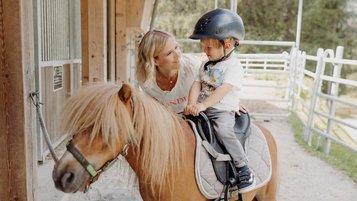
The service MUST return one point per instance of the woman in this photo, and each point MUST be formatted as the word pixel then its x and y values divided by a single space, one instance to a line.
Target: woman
pixel 163 72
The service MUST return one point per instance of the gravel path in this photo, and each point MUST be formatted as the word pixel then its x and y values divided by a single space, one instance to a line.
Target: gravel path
pixel 302 177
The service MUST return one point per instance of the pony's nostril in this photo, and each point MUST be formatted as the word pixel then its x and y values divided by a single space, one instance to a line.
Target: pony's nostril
pixel 67 180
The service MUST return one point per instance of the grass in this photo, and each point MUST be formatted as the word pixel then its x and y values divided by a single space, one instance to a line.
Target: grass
pixel 340 157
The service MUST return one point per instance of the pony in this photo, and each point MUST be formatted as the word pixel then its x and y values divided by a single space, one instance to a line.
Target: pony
pixel 106 120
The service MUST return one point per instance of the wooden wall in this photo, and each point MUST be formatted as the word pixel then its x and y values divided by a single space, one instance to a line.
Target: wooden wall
pixel 18 166
pixel 123 21
pixel 94 33
pixel 53 100
pixel 57 44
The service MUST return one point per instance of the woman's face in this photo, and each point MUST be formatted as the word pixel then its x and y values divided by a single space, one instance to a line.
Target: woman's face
pixel 169 58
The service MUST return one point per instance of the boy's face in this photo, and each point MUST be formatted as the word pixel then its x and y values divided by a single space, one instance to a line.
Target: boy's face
pixel 213 52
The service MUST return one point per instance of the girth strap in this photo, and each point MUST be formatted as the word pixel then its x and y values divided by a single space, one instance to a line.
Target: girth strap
pixel 218 156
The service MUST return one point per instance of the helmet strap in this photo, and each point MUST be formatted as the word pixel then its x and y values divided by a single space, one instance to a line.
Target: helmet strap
pixel 221 59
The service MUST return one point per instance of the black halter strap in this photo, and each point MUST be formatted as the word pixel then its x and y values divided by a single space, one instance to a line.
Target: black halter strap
pixel 94 174
pixel 80 158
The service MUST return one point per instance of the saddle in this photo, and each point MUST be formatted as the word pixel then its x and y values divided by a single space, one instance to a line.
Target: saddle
pixel 222 164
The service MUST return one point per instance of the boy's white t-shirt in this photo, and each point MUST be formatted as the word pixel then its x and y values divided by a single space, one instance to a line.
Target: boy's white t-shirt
pixel 176 99
pixel 228 71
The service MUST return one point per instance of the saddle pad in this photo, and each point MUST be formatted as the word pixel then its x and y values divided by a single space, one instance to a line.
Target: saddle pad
pixel 258 156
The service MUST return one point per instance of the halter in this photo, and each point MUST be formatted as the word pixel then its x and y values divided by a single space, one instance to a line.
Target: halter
pixel 94 174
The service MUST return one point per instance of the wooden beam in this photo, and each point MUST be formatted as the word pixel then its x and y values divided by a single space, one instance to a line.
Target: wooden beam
pixel 111 40
pixel 94 40
pixel 147 14
pixel 84 41
pixel 131 17
pixel 18 167
pixel 140 14
pixel 122 39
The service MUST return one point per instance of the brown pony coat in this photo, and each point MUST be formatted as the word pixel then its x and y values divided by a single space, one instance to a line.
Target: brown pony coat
pixel 161 150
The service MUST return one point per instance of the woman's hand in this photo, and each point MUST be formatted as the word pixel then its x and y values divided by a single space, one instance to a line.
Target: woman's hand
pixel 242 109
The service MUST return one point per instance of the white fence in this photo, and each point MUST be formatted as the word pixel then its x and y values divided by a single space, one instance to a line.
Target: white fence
pixel 318 102
pixel 309 86
pixel 267 84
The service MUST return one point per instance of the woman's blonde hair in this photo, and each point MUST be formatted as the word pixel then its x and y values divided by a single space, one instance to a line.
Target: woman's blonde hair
pixel 152 43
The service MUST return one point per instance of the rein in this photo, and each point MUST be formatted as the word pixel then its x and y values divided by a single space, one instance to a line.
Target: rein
pixel 94 174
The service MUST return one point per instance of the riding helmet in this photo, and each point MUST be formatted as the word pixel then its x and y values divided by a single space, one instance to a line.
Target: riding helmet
pixel 219 24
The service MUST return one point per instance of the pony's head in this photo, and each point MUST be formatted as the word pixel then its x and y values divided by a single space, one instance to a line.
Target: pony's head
pixel 99 120
pixel 106 119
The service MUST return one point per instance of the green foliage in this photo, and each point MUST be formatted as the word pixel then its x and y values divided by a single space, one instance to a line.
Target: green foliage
pixel 269 20
pixel 325 23
pixel 273 20
pixel 179 16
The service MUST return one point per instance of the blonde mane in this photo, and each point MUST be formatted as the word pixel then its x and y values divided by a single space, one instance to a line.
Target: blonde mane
pixel 154 130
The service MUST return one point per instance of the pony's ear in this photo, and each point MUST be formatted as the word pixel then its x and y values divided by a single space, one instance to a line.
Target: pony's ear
pixel 125 93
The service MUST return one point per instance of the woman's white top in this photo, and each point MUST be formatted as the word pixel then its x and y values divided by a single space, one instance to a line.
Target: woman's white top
pixel 176 99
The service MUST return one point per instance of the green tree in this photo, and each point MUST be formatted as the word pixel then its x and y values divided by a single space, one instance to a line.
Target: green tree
pixel 179 17
pixel 272 20
pixel 325 23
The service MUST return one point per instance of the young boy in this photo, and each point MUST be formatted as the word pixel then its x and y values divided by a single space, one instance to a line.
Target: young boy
pixel 216 89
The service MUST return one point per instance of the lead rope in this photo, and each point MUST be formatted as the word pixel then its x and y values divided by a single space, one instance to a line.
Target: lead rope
pixel 36 101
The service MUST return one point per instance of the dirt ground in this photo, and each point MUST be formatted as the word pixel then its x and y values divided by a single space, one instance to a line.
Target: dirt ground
pixel 302 177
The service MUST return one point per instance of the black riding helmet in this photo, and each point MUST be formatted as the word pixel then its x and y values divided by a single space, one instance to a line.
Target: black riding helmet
pixel 219 24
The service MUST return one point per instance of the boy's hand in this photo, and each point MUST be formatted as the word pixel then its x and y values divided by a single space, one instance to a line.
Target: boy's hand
pixel 199 108
pixel 187 109
pixel 194 109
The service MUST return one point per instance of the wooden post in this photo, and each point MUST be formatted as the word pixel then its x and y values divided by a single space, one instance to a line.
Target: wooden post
pixel 111 41
pixel 94 40
pixel 18 168
pixel 131 17
pixel 121 43
pixel 141 14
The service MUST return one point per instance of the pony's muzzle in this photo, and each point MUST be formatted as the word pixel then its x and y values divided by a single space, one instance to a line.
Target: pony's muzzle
pixel 68 180
pixel 64 181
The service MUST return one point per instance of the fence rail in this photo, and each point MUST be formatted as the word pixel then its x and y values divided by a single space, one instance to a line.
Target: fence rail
pixel 318 102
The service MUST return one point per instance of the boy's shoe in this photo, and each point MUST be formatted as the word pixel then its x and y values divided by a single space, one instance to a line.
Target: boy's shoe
pixel 246 179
